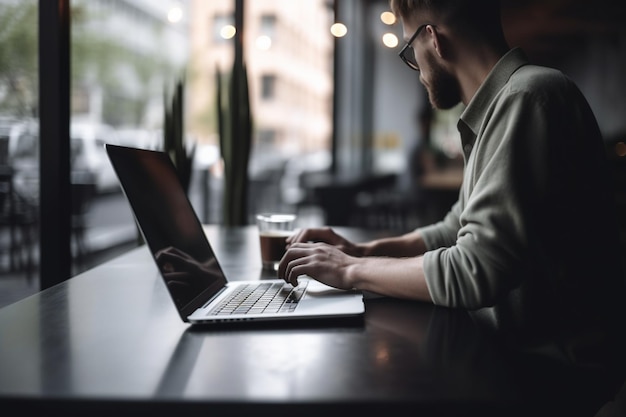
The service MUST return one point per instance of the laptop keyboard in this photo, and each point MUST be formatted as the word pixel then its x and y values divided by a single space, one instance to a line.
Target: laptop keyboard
pixel 263 298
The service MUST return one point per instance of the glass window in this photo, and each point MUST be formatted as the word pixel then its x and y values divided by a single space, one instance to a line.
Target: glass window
pixel 223 25
pixel 288 51
pixel 121 82
pixel 19 150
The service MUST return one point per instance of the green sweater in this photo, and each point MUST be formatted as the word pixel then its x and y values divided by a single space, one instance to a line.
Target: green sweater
pixel 531 247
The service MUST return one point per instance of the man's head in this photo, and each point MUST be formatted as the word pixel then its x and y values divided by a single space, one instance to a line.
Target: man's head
pixel 478 20
pixel 441 35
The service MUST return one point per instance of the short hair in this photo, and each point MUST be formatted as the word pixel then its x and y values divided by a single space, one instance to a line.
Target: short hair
pixel 473 18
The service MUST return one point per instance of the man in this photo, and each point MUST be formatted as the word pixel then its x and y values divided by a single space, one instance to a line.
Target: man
pixel 530 248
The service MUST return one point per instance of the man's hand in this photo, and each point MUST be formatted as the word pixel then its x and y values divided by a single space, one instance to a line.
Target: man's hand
pixel 326 263
pixel 324 235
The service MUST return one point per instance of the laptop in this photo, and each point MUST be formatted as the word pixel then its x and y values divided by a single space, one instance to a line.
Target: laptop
pixel 188 266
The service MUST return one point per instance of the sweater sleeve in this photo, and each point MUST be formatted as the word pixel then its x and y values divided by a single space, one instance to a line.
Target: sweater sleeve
pixel 502 188
pixel 443 233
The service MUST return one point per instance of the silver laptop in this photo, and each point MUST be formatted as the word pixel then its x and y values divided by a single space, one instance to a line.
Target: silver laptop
pixel 188 265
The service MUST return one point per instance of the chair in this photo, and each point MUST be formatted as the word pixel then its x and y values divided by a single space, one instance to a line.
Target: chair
pixel 20 215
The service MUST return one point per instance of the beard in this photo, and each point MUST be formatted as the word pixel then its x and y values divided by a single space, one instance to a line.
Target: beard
pixel 443 89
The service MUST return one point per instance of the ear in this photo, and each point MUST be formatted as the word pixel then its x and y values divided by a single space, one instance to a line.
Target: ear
pixel 435 40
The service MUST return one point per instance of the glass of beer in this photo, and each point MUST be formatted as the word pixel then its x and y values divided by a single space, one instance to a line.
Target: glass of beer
pixel 274 228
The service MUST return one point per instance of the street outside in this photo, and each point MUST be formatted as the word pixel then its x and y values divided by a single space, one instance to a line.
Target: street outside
pixel 110 231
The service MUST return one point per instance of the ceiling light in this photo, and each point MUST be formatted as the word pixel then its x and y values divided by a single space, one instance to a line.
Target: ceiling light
pixel 390 40
pixel 228 31
pixel 388 18
pixel 338 30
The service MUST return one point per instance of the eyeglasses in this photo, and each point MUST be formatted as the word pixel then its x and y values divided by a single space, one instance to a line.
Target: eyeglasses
pixel 407 54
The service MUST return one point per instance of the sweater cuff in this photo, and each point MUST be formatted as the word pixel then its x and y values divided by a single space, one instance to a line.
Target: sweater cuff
pixel 431 235
pixel 431 276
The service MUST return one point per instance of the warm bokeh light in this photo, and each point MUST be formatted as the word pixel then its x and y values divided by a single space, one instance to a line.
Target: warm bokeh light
pixel 175 14
pixel 228 32
pixel 263 42
pixel 390 40
pixel 338 30
pixel 620 149
pixel 388 18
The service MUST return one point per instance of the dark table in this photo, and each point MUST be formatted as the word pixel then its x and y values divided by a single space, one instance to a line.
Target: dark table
pixel 109 342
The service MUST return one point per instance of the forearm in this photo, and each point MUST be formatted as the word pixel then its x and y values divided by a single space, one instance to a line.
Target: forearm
pixel 407 245
pixel 393 277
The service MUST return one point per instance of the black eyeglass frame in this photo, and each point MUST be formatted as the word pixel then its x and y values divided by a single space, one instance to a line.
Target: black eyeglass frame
pixel 408 46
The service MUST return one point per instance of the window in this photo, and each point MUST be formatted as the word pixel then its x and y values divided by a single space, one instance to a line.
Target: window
pixel 268 25
pixel 119 80
pixel 291 92
pixel 19 150
pixel 268 87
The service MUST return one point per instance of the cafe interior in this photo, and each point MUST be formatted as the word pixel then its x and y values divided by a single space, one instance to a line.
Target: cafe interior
pixel 336 122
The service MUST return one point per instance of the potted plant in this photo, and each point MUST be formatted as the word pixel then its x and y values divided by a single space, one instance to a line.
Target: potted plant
pixel 173 133
pixel 235 133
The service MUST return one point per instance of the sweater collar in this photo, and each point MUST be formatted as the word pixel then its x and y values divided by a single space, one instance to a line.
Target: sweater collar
pixel 499 75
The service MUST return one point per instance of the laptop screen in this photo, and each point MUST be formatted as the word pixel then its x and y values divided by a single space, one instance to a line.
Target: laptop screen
pixel 169 226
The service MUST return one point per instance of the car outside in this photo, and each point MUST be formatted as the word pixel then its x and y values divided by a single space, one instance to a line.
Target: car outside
pixel 88 155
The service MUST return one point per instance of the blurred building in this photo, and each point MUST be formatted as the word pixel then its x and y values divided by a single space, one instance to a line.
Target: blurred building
pixel 289 53
pixel 136 48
